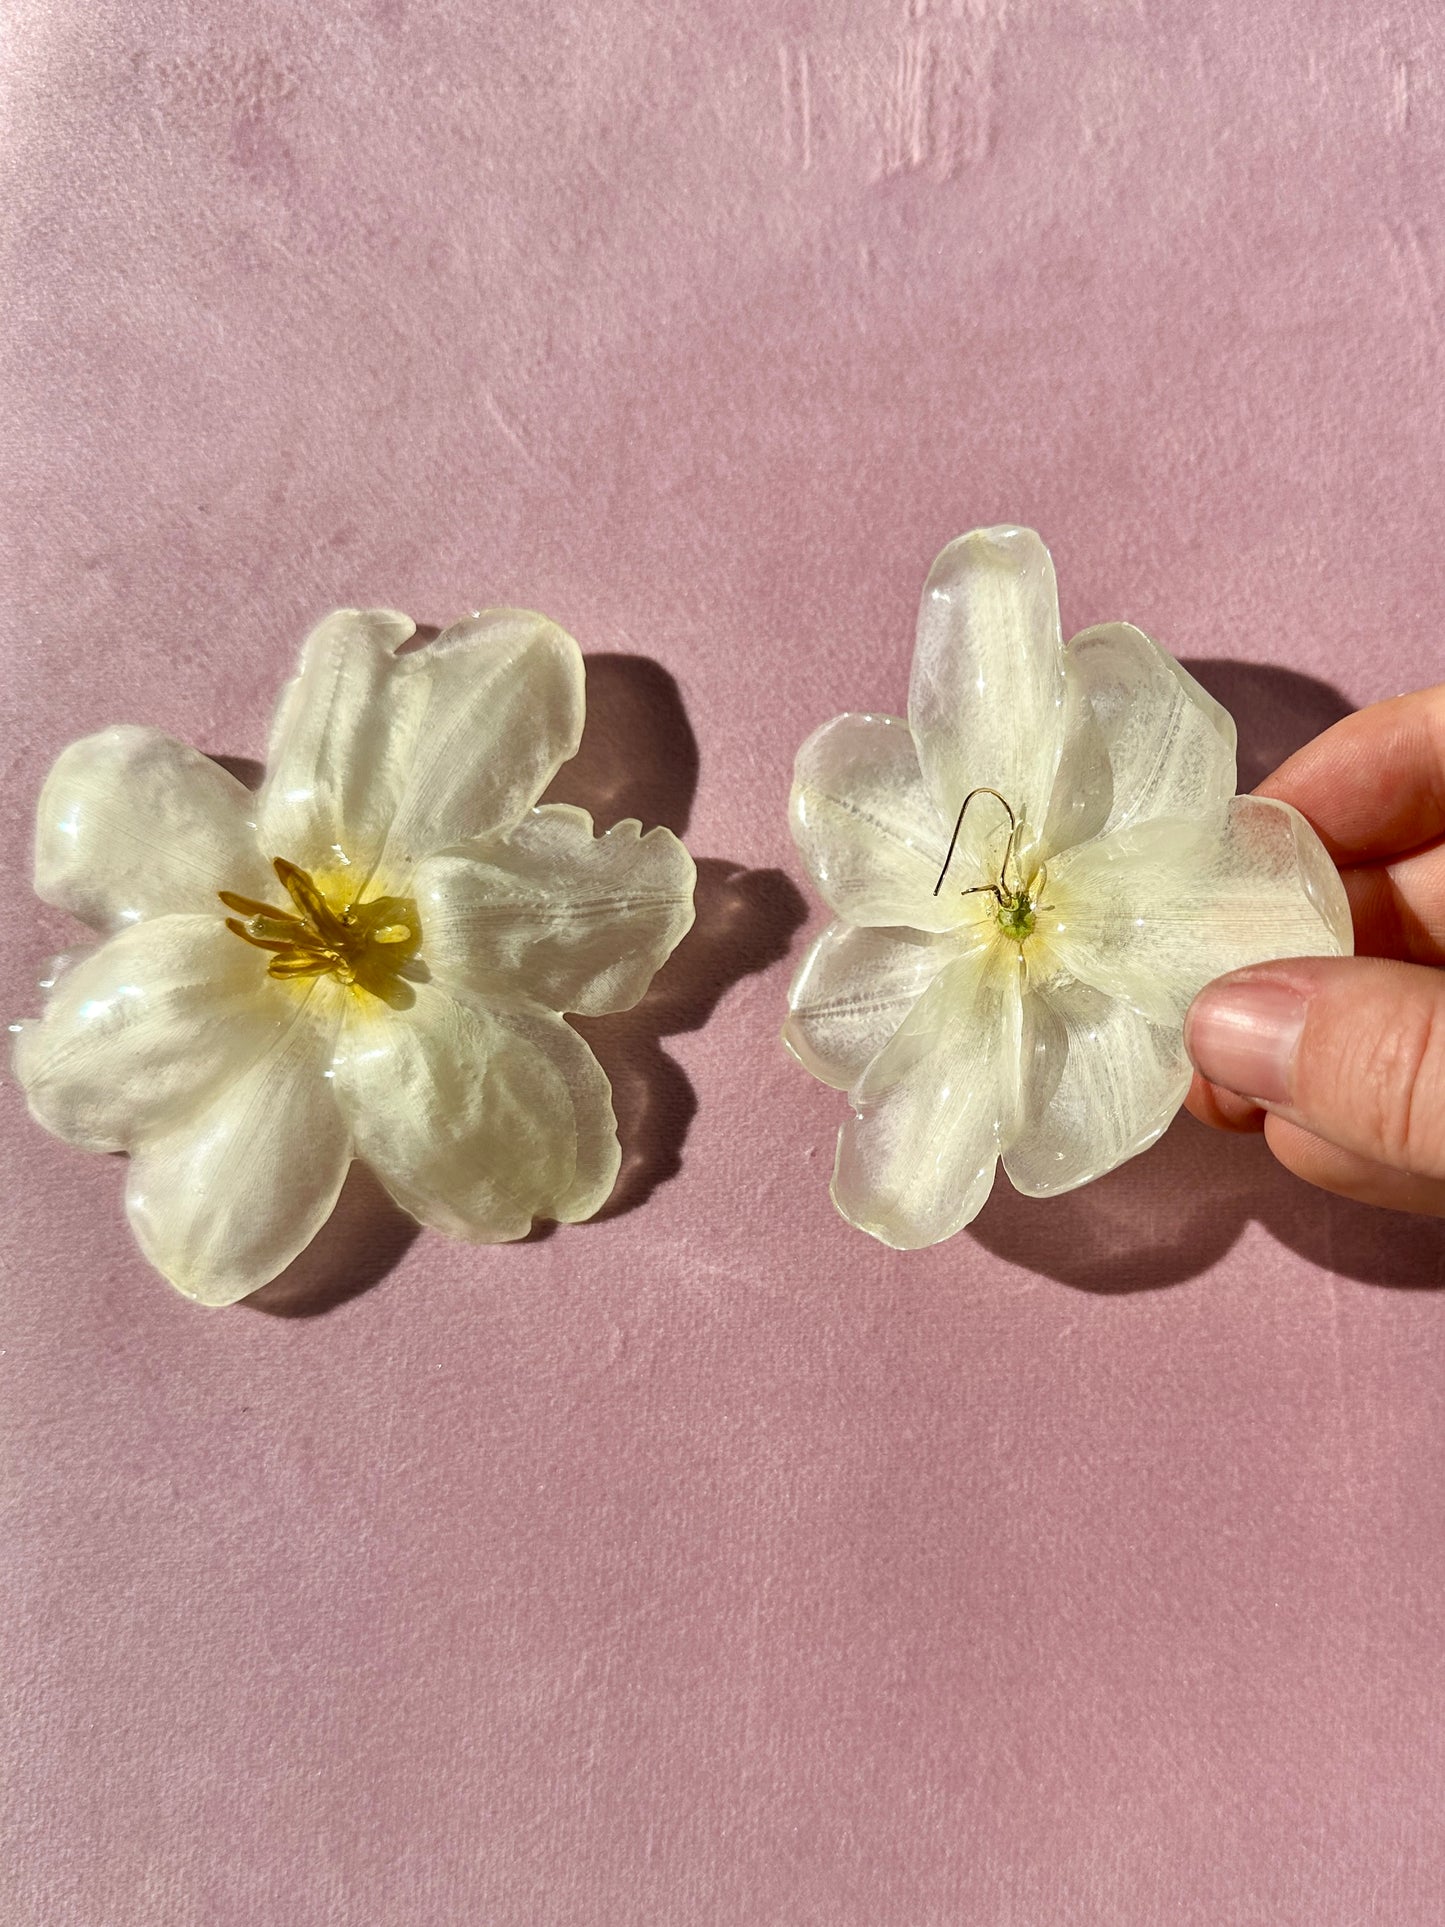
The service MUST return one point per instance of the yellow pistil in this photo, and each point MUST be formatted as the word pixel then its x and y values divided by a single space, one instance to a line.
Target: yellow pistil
pixel 365 944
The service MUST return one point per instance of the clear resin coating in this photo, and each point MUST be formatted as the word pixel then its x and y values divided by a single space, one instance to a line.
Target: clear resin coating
pixel 1031 877
pixel 368 958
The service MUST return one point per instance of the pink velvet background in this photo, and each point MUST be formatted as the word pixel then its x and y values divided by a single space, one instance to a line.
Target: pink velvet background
pixel 709 1563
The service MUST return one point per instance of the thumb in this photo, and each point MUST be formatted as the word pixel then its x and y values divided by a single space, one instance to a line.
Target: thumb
pixel 1351 1048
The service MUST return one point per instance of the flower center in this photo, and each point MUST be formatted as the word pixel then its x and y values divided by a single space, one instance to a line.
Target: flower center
pixel 1016 915
pixel 367 943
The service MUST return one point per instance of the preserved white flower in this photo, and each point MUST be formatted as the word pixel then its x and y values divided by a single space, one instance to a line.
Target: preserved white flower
pixel 1032 877
pixel 367 958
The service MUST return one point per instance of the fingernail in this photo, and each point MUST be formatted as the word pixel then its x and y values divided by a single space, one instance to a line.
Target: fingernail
pixel 1243 1036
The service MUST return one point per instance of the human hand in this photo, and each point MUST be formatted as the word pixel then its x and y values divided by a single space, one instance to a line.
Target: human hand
pixel 1341 1060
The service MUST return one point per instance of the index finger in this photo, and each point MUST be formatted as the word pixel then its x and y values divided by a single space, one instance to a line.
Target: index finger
pixel 1373 786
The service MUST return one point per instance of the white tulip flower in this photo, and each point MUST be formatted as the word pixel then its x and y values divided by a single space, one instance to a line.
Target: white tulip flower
pixel 1032 877
pixel 366 959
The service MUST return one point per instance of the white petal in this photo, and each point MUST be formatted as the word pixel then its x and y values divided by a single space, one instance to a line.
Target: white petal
pixel 478 1120
pixel 868 832
pixel 225 1202
pixel 589 1092
pixel 936 1107
pixel 1150 741
pixel 574 921
pixel 986 699
pixel 333 764
pixel 1100 1084
pixel 504 704
pixel 1083 782
pixel 139 1034
pixel 852 991
pixel 1152 913
pixel 133 824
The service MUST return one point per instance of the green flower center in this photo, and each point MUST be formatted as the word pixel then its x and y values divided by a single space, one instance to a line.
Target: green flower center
pixel 1016 915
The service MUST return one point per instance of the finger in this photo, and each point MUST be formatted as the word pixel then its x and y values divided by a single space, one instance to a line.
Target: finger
pixel 1348 1174
pixel 1351 1048
pixel 1222 1109
pixel 1398 908
pixel 1374 784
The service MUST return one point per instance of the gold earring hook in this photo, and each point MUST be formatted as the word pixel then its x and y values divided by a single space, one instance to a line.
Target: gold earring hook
pixel 982 790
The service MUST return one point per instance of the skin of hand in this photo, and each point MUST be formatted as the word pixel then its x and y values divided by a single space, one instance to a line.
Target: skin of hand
pixel 1341 1060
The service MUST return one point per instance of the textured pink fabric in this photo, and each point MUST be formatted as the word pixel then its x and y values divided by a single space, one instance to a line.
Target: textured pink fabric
pixel 710 1564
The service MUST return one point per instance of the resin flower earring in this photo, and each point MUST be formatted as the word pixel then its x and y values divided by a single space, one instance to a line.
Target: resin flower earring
pixel 1032 877
pixel 367 959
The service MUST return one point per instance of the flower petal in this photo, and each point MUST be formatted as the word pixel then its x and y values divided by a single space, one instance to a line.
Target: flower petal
pixel 867 830
pixel 986 699
pixel 936 1107
pixel 552 912
pixel 478 1120
pixel 333 764
pixel 133 824
pixel 589 1093
pixel 852 991
pixel 140 1033
pixel 1151 913
pixel 1083 782
pixel 225 1202
pixel 504 701
pixel 1100 1084
pixel 1160 744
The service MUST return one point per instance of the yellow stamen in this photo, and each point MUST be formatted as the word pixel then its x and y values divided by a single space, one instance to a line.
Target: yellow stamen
pixel 366 944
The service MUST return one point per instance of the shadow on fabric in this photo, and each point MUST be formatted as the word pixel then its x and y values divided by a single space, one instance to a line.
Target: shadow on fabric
pixel 639 758
pixel 1276 711
pixel 1174 1212
pixel 364 1239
